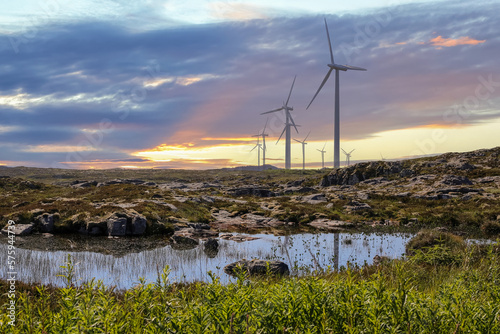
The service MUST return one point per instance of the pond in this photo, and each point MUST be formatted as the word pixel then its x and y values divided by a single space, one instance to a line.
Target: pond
pixel 302 253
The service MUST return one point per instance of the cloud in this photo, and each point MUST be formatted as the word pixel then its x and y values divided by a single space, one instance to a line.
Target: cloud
pixel 449 42
pixel 205 85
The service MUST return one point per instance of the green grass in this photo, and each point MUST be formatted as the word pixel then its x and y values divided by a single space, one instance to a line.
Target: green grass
pixel 399 296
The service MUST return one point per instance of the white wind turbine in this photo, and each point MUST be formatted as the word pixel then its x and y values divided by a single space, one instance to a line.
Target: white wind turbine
pixel 303 150
pixel 288 124
pixel 263 135
pixel 348 156
pixel 337 68
pixel 259 147
pixel 322 156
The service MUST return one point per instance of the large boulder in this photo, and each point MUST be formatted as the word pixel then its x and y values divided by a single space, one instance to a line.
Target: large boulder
pixel 257 267
pixel 139 224
pixel 117 226
pixel 18 229
pixel 46 222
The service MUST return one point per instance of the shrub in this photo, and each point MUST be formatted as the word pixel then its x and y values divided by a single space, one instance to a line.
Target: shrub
pixel 429 238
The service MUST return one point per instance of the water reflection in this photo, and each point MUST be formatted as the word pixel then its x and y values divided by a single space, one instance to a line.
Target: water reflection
pixel 300 251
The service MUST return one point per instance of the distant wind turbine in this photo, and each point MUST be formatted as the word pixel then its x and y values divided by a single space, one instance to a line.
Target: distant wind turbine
pixel 288 124
pixel 303 150
pixel 259 147
pixel 322 156
pixel 337 68
pixel 383 159
pixel 263 134
pixel 348 156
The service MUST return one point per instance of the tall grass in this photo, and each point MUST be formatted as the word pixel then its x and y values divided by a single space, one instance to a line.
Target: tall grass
pixel 405 296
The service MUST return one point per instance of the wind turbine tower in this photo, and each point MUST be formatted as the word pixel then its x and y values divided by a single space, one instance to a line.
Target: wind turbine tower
pixel 263 135
pixel 288 124
pixel 322 156
pixel 337 68
pixel 348 156
pixel 259 147
pixel 303 150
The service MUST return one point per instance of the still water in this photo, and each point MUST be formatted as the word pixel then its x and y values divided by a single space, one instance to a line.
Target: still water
pixel 301 252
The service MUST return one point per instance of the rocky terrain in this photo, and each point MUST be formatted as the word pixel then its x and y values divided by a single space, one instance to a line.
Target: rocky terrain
pixel 459 192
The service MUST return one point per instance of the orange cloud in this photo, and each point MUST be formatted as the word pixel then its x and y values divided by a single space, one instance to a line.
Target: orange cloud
pixel 449 42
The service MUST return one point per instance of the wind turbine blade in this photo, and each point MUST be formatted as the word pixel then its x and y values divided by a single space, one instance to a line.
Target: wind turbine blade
pixel 323 147
pixel 298 141
pixel 282 132
pixel 275 110
pixel 349 67
pixel 344 151
pixel 319 150
pixel 289 94
pixel 329 42
pixel 254 147
pixel 322 84
pixel 265 126
pixel 307 136
pixel 352 151
pixel 293 123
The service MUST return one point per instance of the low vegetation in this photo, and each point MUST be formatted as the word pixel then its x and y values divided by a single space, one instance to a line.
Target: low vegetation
pixel 396 296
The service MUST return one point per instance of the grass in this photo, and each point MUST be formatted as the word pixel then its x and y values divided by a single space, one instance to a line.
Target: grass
pixel 399 296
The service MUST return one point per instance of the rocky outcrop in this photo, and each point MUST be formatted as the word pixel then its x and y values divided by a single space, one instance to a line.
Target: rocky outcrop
pixel 257 267
pixel 362 171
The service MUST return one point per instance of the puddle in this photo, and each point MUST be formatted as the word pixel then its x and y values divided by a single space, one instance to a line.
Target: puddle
pixel 301 252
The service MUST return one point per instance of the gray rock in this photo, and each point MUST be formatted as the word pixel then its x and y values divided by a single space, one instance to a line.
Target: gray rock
pixel 117 226
pixel 355 206
pixel 18 229
pixel 46 222
pixel 312 199
pixel 139 224
pixel 257 267
pixel 453 180
pixel 182 242
pixel 327 224
pixel 211 247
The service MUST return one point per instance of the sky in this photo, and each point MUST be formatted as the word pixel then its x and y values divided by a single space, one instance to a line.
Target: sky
pixel 182 84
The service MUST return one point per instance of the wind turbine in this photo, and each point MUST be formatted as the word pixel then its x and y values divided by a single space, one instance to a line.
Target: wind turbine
pixel 288 124
pixel 322 156
pixel 337 68
pixel 263 135
pixel 259 146
pixel 303 150
pixel 348 156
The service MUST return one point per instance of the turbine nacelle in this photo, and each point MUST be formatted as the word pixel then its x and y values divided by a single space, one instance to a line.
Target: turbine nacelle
pixel 345 67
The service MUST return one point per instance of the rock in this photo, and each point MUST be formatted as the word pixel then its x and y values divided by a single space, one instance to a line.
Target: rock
pixel 46 222
pixel 18 205
pixel 312 199
pixel 182 242
pixel 139 224
pixel 330 225
pixel 453 180
pixel 488 179
pixel 329 206
pixel 117 226
pixel 360 172
pixel 251 191
pixel 355 206
pixel 83 184
pixel 47 235
pixel 211 247
pixel 18 229
pixel 257 267
pixel 301 190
